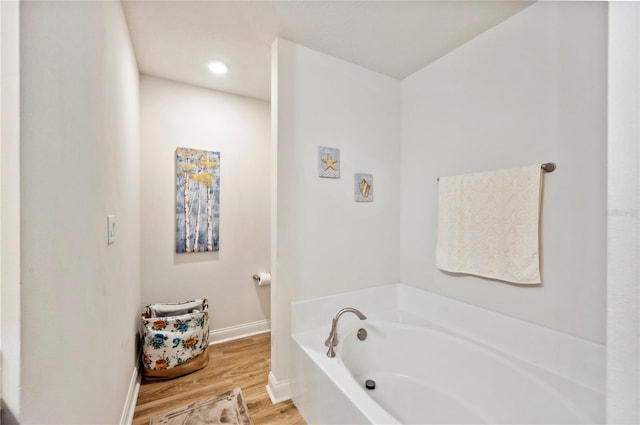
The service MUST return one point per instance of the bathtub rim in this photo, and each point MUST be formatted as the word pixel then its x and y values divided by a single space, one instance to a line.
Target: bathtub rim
pixel 565 355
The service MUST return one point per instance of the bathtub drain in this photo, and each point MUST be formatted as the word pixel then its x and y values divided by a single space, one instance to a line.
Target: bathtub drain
pixel 370 384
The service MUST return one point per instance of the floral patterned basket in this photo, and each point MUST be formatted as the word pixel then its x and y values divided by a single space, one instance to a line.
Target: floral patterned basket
pixel 175 339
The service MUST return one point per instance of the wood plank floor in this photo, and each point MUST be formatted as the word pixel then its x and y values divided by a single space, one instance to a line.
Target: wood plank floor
pixel 243 363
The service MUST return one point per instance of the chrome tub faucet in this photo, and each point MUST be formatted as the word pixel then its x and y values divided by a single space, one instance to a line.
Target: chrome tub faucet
pixel 332 341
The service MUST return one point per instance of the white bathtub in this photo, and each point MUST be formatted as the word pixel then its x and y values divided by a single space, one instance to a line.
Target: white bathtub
pixel 426 374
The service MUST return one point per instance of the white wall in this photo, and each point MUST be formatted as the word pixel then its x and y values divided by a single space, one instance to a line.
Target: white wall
pixel 530 90
pixel 325 241
pixel 179 115
pixel 79 163
pixel 10 209
pixel 623 265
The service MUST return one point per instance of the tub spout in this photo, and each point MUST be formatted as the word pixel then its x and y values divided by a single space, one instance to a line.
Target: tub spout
pixel 332 340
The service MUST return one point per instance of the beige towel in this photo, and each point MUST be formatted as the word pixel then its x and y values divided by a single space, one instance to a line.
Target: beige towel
pixel 488 224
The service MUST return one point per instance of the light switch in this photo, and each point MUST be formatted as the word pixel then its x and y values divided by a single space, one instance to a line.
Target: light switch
pixel 111 229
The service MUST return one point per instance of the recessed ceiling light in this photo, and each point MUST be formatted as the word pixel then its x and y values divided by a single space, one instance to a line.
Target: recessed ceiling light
pixel 218 67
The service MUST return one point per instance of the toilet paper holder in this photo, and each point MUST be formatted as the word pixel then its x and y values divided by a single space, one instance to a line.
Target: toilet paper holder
pixel 262 279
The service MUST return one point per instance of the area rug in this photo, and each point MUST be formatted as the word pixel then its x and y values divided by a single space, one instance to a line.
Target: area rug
pixel 228 408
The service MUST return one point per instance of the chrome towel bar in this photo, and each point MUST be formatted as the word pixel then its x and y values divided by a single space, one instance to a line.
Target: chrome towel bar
pixel 547 167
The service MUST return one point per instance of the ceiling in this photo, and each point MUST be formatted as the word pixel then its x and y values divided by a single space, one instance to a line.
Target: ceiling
pixel 177 39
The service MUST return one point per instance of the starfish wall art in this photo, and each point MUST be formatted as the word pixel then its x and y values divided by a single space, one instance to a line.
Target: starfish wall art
pixel 328 162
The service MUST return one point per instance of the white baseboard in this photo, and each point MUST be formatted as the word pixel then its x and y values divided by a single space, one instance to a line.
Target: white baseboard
pixel 132 396
pixel 217 336
pixel 278 391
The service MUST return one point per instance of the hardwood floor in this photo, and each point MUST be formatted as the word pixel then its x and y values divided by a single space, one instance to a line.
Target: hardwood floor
pixel 243 363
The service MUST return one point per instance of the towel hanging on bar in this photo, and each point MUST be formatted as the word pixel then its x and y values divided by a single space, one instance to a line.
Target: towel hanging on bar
pixel 488 224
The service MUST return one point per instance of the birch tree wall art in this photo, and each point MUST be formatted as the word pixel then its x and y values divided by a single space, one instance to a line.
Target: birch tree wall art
pixel 197 200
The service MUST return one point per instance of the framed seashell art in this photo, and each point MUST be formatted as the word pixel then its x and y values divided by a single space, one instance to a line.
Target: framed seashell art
pixel 363 187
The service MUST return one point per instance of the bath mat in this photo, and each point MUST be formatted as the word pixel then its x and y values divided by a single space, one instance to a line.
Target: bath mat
pixel 228 408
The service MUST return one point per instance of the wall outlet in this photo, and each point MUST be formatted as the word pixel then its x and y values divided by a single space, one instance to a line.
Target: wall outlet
pixel 111 229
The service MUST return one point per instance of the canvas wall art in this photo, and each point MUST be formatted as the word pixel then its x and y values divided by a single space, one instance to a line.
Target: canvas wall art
pixel 197 200
pixel 363 187
pixel 328 162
